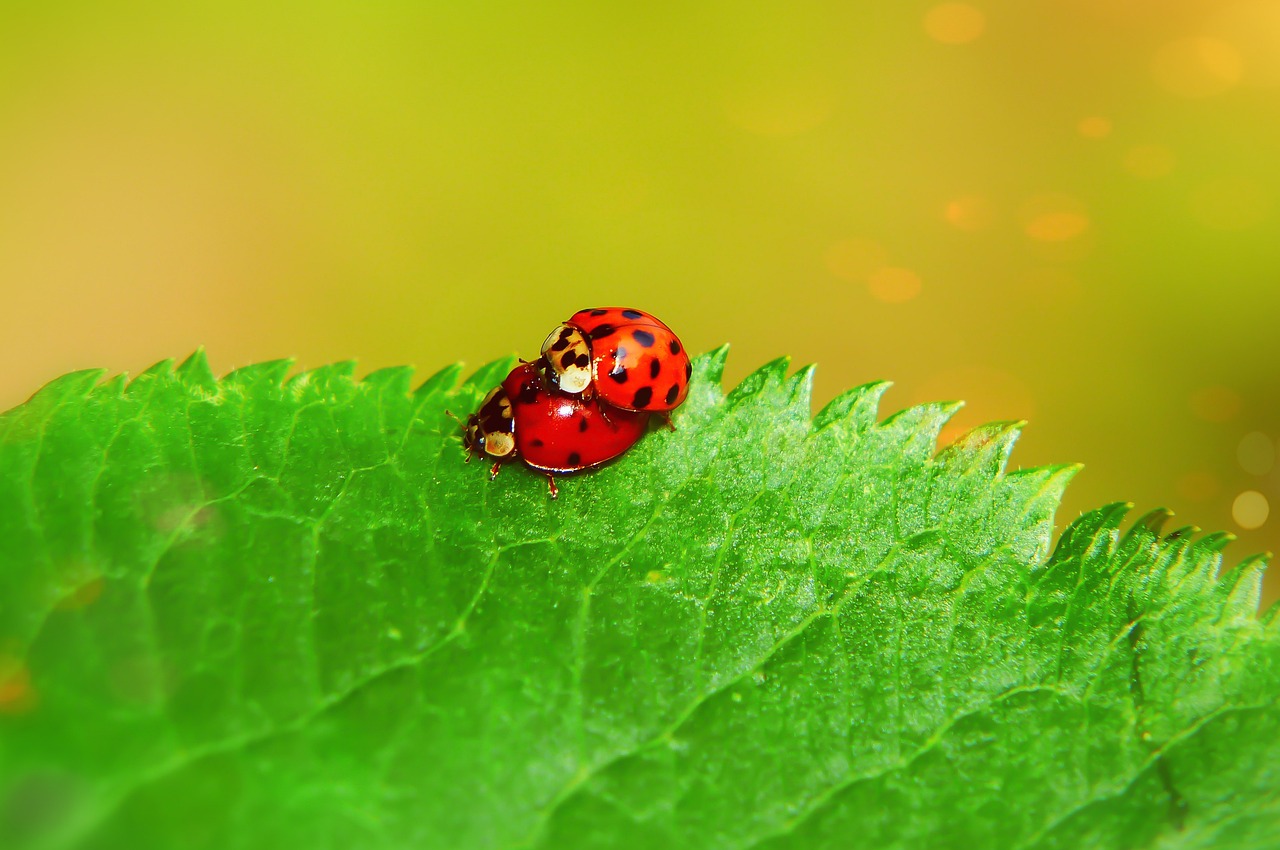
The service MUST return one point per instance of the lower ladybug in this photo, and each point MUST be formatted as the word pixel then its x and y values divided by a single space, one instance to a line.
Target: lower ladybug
pixel 551 432
pixel 628 358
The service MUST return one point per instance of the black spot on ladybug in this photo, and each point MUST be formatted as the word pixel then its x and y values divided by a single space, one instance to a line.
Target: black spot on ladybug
pixel 672 393
pixel 688 371
pixel 536 443
pixel 603 331
pixel 561 342
pixel 598 312
pixel 568 360
pixel 632 314
pixel 643 337
pixel 643 396
pixel 654 368
pixel 583 361
pixel 619 374
pixel 528 393
pixel 582 424
pixel 675 347
pixel 574 459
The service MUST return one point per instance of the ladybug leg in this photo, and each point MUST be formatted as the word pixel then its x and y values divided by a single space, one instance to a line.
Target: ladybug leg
pixel 666 417
pixel 494 470
pixel 551 485
pixel 604 414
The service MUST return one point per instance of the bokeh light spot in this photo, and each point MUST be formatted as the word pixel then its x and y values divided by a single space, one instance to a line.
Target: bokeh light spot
pixel 969 212
pixel 893 284
pixel 1054 218
pixel 1232 203
pixel 1094 127
pixel 1198 486
pixel 856 259
pixel 1250 509
pixel 1215 404
pixel 1253 28
pixel 1256 453
pixel 954 23
pixel 1057 226
pixel 1149 161
pixel 1197 67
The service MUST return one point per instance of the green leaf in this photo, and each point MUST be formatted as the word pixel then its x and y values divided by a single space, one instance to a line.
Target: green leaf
pixel 269 612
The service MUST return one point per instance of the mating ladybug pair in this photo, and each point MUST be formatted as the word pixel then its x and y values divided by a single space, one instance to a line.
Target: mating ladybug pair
pixel 587 398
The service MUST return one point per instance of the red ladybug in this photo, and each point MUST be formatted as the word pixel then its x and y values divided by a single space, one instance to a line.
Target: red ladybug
pixel 551 432
pixel 625 357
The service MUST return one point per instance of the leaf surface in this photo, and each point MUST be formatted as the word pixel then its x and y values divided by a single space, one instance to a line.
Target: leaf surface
pixel 269 612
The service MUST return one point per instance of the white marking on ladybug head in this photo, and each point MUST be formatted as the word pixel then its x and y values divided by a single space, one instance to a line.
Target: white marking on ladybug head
pixel 567 354
pixel 499 444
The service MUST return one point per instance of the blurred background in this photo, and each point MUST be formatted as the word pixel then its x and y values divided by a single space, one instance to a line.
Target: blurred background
pixel 1065 211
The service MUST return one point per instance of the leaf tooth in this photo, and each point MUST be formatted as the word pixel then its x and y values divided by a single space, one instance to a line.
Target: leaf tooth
pixel 158 370
pixel 857 407
pixel 917 428
pixel 144 383
pixel 986 446
pixel 1154 520
pixel 1050 479
pixel 393 379
pixel 1041 487
pixel 489 375
pixel 1213 543
pixel 799 390
pixel 1148 525
pixel 1242 586
pixel 1185 566
pixel 1270 618
pixel 709 367
pixel 1090 532
pixel 112 387
pixel 706 395
pixel 323 377
pixel 1181 535
pixel 195 372
pixel 771 375
pixel 269 372
pixel 68 387
pixel 443 381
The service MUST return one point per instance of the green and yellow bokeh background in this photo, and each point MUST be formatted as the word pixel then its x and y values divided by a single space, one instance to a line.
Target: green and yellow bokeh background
pixel 1064 211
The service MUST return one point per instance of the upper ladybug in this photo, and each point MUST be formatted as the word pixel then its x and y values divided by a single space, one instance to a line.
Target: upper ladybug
pixel 627 357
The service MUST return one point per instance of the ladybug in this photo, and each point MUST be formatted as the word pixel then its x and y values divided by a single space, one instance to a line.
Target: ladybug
pixel 625 357
pixel 554 433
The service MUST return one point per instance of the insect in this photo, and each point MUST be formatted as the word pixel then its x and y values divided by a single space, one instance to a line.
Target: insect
pixel 551 432
pixel 627 358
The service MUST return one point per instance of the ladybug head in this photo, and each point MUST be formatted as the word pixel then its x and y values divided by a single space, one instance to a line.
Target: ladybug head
pixel 566 355
pixel 491 429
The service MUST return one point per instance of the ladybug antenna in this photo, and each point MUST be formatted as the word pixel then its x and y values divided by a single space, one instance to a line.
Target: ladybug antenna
pixel 461 423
